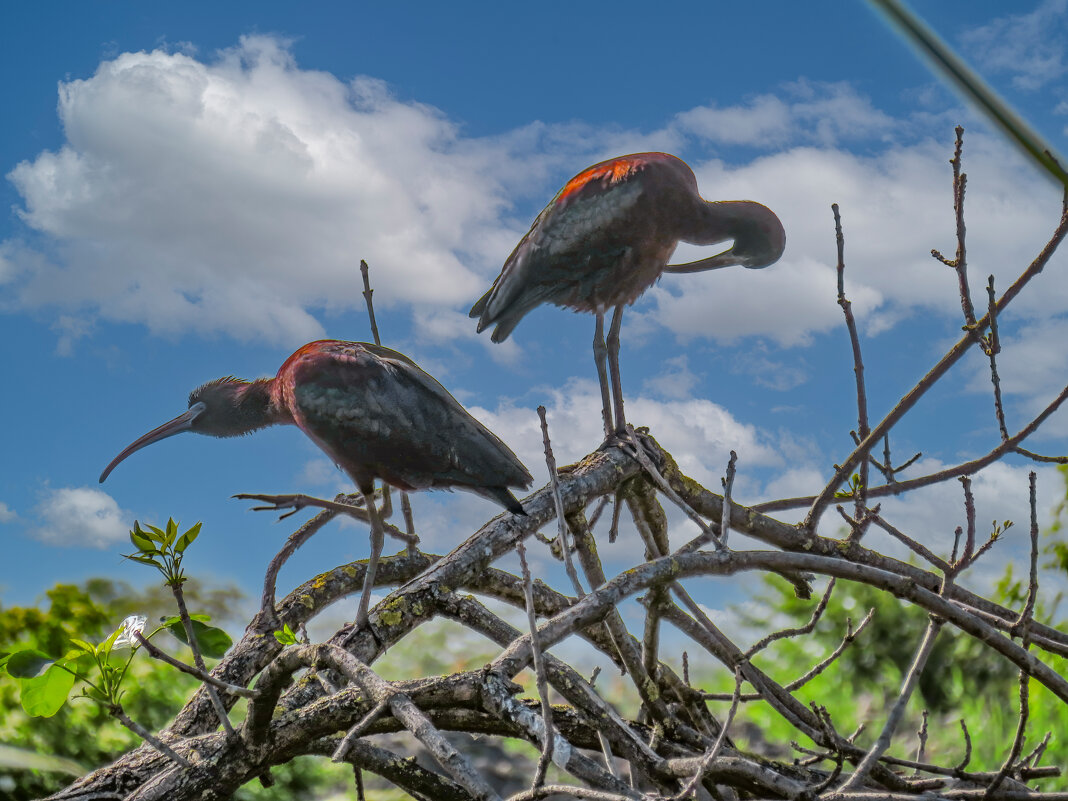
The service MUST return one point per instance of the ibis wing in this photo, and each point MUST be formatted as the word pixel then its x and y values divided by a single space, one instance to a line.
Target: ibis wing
pixel 563 255
pixel 377 414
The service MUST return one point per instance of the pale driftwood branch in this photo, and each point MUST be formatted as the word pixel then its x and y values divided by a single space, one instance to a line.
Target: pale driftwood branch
pixel 598 476
pixel 325 698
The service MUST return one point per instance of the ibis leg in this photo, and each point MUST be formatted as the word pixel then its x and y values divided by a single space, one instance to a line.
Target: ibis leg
pixel 600 354
pixel 378 540
pixel 613 366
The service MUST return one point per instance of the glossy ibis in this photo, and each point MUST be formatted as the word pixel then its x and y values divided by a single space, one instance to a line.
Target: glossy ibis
pixel 374 412
pixel 607 236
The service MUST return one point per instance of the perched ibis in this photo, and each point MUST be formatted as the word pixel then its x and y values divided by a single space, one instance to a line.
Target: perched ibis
pixel 607 236
pixel 374 412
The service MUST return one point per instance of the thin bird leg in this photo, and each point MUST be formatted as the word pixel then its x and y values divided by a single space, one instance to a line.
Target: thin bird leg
pixel 613 366
pixel 600 355
pixel 378 540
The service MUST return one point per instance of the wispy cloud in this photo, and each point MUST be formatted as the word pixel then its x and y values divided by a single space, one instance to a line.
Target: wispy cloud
pixel 7 514
pixel 804 112
pixel 676 382
pixel 1030 47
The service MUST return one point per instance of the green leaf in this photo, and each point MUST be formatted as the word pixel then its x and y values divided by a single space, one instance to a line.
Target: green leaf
pixel 139 540
pixel 213 642
pixel 88 647
pixel 29 663
pixel 144 560
pixel 172 531
pixel 187 539
pixel 109 643
pixel 286 636
pixel 153 533
pixel 43 696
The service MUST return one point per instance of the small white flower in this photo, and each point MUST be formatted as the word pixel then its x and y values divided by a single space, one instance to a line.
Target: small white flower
pixel 134 624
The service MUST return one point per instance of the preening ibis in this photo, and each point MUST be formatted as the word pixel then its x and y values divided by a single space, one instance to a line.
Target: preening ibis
pixel 374 412
pixel 607 236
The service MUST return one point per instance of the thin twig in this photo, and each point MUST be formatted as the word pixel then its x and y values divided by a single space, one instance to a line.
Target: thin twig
pixel 960 263
pixel 1018 739
pixel 913 545
pixel 908 684
pixel 969 516
pixel 1032 585
pixel 812 672
pixel 198 660
pixel 858 363
pixel 1023 628
pixel 601 504
pixel 955 354
pixel 921 748
pixel 147 736
pixel 900 487
pixel 993 348
pixel 203 675
pixel 728 485
pixel 406 504
pixel 613 529
pixel 1031 760
pixel 295 540
pixel 713 752
pixel 358 729
pixel 807 628
pixel 558 501
pixel 539 670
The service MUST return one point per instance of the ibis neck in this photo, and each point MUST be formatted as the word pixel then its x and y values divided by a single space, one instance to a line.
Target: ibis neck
pixel 251 407
pixel 715 221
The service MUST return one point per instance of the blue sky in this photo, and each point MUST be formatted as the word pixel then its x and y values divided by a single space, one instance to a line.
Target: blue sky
pixel 189 190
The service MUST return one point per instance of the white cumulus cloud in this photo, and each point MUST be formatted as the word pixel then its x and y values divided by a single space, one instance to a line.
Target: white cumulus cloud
pixel 240 195
pixel 81 516
pixel 237 195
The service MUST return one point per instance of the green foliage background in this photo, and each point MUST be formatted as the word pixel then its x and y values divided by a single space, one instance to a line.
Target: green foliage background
pixel 83 731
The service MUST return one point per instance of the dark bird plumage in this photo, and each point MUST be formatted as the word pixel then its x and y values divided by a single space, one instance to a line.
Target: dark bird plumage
pixel 372 410
pixel 607 236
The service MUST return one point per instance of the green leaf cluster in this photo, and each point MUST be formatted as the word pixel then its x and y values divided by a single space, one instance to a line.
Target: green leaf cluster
pixel 41 754
pixel 162 549
pixel 83 734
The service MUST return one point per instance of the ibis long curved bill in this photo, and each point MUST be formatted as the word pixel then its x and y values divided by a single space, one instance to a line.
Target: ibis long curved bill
pixel 183 422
